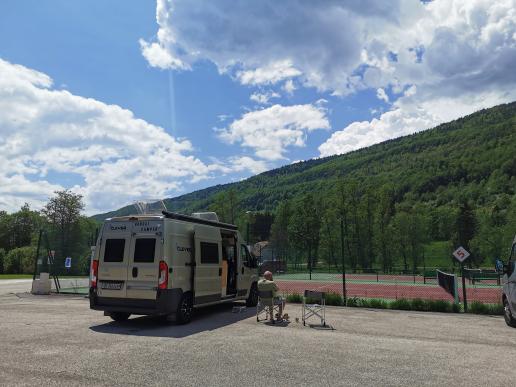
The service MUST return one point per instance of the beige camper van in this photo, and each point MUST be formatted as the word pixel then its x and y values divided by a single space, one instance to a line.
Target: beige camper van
pixel 168 265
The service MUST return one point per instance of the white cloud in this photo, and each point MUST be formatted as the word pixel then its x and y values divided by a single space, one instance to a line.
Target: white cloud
pixel 113 156
pixel 382 95
pixel 270 131
pixel 289 87
pixel 271 74
pixel 263 98
pixel 409 115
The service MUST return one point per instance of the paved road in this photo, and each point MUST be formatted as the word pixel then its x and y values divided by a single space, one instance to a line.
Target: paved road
pixel 25 285
pixel 57 340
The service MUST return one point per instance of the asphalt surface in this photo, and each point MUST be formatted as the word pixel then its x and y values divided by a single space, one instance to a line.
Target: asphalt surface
pixel 57 340
pixel 12 286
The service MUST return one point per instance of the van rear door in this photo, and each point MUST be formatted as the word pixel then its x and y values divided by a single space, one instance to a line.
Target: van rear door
pixel 113 259
pixel 144 256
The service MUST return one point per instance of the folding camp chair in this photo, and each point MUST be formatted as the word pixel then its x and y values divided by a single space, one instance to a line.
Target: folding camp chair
pixel 315 307
pixel 266 305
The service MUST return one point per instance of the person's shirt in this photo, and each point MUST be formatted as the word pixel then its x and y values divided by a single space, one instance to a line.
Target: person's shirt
pixel 265 285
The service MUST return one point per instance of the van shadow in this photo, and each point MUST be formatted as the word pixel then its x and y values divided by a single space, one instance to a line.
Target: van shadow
pixel 205 319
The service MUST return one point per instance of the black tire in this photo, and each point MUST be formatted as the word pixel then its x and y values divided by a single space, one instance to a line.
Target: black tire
pixel 509 320
pixel 119 316
pixel 185 309
pixel 252 299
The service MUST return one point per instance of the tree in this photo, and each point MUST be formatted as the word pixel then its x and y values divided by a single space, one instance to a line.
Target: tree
pixel 279 231
pixel 466 226
pixel 226 205
pixel 305 227
pixel 63 213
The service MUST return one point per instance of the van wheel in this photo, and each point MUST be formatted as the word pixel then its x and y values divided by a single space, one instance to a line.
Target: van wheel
pixel 185 309
pixel 119 316
pixel 252 299
pixel 511 321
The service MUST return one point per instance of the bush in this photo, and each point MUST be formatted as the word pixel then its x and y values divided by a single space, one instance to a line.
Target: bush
pixel 20 260
pixel 420 305
pixel 334 299
pixel 401 304
pixel 377 303
pixel 353 302
pixel 480 308
pixel 294 298
pixel 439 306
pixel 2 257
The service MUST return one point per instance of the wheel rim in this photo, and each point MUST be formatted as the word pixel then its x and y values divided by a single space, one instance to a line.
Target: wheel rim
pixel 185 309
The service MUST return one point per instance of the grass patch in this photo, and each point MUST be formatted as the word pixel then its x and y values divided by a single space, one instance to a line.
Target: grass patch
pixel 401 304
pixel 480 308
pixel 15 276
pixel 294 298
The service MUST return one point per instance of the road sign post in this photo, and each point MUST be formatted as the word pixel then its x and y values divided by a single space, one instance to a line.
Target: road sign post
pixel 461 254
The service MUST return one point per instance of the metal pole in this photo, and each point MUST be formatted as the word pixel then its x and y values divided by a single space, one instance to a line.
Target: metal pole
pixel 37 255
pixel 464 299
pixel 344 296
pixel 248 233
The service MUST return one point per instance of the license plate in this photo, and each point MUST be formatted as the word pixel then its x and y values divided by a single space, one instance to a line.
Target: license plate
pixel 111 285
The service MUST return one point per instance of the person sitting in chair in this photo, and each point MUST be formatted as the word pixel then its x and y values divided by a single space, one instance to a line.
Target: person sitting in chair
pixel 268 284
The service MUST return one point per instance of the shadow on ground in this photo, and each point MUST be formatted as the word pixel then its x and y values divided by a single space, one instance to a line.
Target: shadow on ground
pixel 205 319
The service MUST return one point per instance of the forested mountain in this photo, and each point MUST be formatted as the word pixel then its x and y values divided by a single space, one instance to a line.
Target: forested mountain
pixel 441 175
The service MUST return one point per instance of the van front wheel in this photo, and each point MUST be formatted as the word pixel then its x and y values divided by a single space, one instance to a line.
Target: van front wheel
pixel 252 299
pixel 511 321
pixel 185 309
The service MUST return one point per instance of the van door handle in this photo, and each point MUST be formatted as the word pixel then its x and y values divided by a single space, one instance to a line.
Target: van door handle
pixel 135 272
pixel 220 271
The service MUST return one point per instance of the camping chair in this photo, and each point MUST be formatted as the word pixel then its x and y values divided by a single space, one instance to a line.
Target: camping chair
pixel 316 307
pixel 266 305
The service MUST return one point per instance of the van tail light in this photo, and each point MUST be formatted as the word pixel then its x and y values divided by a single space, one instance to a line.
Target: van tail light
pixel 163 275
pixel 94 273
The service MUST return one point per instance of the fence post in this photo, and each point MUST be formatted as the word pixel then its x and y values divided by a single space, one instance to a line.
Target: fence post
pixel 464 299
pixel 343 265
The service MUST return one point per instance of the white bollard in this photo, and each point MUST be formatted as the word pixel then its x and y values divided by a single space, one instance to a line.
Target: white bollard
pixel 42 284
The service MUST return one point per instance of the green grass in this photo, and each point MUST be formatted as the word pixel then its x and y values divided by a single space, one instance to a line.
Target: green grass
pixel 15 276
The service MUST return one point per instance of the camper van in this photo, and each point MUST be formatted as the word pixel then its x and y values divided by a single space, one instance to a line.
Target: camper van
pixel 169 264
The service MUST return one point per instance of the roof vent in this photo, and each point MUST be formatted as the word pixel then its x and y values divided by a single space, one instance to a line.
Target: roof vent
pixel 212 216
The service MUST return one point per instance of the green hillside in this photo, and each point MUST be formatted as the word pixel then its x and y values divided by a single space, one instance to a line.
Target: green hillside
pixel 473 156
pixel 461 171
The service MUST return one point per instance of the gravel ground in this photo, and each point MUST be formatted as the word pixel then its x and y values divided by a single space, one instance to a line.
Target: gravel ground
pixel 57 340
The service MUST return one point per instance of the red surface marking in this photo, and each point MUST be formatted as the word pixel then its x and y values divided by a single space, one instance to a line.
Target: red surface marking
pixel 392 291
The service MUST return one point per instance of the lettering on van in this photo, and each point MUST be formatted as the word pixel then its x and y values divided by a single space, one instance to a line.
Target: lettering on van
pixel 145 226
pixel 181 248
pixel 118 228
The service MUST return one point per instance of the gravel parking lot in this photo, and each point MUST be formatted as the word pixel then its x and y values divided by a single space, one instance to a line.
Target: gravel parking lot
pixel 57 340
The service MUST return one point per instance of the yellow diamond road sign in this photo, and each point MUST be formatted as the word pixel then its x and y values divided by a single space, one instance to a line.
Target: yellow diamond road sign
pixel 461 254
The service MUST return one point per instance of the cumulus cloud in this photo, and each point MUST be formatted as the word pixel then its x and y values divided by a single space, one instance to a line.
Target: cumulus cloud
pixel 263 98
pixel 114 156
pixel 270 131
pixel 382 95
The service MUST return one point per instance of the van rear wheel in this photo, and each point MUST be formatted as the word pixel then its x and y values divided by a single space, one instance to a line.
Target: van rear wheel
pixel 119 316
pixel 185 309
pixel 252 299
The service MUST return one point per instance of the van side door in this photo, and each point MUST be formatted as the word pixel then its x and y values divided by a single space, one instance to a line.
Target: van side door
pixel 247 274
pixel 208 264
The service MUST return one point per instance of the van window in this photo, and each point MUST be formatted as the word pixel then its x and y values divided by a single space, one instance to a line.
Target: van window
pixel 144 249
pixel 247 258
pixel 114 251
pixel 209 252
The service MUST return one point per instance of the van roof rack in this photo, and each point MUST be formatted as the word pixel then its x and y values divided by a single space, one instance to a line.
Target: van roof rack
pixel 192 219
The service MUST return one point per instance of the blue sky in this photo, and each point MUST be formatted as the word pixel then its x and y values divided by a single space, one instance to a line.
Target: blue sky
pixel 122 101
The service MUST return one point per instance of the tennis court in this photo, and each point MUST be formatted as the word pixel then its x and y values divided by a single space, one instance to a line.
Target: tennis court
pixel 386 286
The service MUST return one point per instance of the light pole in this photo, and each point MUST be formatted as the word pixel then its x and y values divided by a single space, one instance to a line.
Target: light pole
pixel 343 265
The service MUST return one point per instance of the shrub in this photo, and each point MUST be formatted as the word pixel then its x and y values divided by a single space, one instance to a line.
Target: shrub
pixel 353 302
pixel 294 298
pixel 20 260
pixel 401 304
pixel 439 306
pixel 480 308
pixel 334 299
pixel 2 256
pixel 377 303
pixel 420 305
